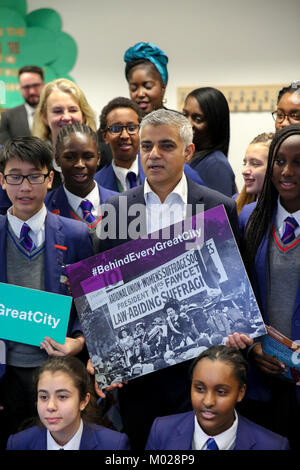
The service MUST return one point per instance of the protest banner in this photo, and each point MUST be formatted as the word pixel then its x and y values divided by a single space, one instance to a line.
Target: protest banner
pixel 154 302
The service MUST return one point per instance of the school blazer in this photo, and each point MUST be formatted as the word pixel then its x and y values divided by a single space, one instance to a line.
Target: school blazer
pixel 106 176
pixel 66 241
pixel 56 200
pixel 175 432
pixel 94 437
pixel 259 284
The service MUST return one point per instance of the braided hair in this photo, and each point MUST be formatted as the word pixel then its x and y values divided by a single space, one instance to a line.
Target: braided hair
pixel 72 129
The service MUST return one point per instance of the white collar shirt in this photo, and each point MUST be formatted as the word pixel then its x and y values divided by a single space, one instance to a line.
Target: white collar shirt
pixel 75 201
pixel 121 173
pixel 73 444
pixel 36 224
pixel 281 215
pixel 225 440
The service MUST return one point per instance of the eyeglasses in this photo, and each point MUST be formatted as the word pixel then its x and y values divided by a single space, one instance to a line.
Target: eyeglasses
pixel 280 117
pixel 118 128
pixel 32 179
pixel 35 86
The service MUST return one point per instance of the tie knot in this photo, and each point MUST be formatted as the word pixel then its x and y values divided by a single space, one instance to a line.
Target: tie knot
pixel 131 176
pixel 289 233
pixel 86 207
pixel 25 239
pixel 211 444
pixel 24 230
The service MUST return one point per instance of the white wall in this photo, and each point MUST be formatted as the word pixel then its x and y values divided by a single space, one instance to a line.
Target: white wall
pixel 212 42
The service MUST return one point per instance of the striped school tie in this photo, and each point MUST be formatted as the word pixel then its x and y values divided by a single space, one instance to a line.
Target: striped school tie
pixel 86 207
pixel 290 226
pixel 131 176
pixel 25 239
pixel 211 444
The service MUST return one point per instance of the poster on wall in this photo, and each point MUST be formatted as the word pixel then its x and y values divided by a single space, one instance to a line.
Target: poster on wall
pixel 152 303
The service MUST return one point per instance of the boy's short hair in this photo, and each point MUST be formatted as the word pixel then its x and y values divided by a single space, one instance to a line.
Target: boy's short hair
pixel 27 149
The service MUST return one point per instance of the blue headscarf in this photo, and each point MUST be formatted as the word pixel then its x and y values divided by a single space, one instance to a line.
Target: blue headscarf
pixel 148 51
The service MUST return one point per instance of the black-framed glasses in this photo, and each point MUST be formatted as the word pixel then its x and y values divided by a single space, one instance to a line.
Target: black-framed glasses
pixel 292 117
pixel 118 128
pixel 32 179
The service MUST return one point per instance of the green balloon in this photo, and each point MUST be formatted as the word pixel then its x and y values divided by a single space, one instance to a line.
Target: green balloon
pixel 19 5
pixel 45 18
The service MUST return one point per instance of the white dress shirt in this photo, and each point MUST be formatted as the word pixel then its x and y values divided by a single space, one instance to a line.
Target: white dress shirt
pixel 75 201
pixel 281 215
pixel 30 112
pixel 173 209
pixel 73 444
pixel 225 440
pixel 121 173
pixel 36 224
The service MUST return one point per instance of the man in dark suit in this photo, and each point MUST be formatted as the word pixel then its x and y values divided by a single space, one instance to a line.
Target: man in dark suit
pixel 17 122
pixel 166 145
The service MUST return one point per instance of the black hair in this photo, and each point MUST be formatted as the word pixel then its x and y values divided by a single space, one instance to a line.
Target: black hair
pixel 31 69
pixel 259 223
pixel 76 370
pixel 27 149
pixel 216 112
pixel 118 102
pixel 71 129
pixel 288 89
pixel 143 63
pixel 231 356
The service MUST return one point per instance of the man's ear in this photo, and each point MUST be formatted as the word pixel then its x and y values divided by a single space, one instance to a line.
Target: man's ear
pixel 2 180
pixel 189 152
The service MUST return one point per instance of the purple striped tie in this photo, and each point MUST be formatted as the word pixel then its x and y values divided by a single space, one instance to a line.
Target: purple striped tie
pixel 131 176
pixel 86 207
pixel 290 226
pixel 25 239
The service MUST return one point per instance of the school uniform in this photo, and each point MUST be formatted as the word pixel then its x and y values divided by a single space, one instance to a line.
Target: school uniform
pixel 279 400
pixel 59 241
pixel 107 178
pixel 93 437
pixel 177 432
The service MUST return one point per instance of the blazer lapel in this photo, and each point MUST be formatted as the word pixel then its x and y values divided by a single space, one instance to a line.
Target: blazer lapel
pixel 40 442
pixel 183 435
pixel 3 232
pixel 88 439
pixel 54 257
pixel 244 437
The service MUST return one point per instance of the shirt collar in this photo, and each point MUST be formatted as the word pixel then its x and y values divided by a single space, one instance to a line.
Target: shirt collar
pixel 121 172
pixel 73 444
pixel 29 109
pixel 282 214
pixel 75 201
pixel 36 222
pixel 180 191
pixel 225 440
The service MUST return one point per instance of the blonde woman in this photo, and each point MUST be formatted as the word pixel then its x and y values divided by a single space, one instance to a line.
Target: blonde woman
pixel 255 164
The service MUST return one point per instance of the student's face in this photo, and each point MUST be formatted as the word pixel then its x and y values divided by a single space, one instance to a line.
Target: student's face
pixel 124 146
pixel 59 405
pixel 78 158
pixel 198 121
pixel 286 173
pixel 27 199
pixel 289 103
pixel 254 169
pixel 163 156
pixel 214 394
pixel 62 109
pixel 146 88
pixel 31 85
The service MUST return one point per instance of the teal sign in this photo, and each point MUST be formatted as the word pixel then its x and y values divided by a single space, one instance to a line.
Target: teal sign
pixel 28 315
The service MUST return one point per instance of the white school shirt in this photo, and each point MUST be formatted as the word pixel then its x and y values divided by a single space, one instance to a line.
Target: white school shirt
pixel 225 440
pixel 75 201
pixel 173 209
pixel 73 444
pixel 121 173
pixel 36 224
pixel 281 215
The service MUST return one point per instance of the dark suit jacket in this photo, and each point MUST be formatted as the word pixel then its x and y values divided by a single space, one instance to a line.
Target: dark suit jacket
pixel 197 195
pixel 13 124
pixel 106 176
pixel 94 437
pixel 60 232
pixel 176 433
pixel 56 200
